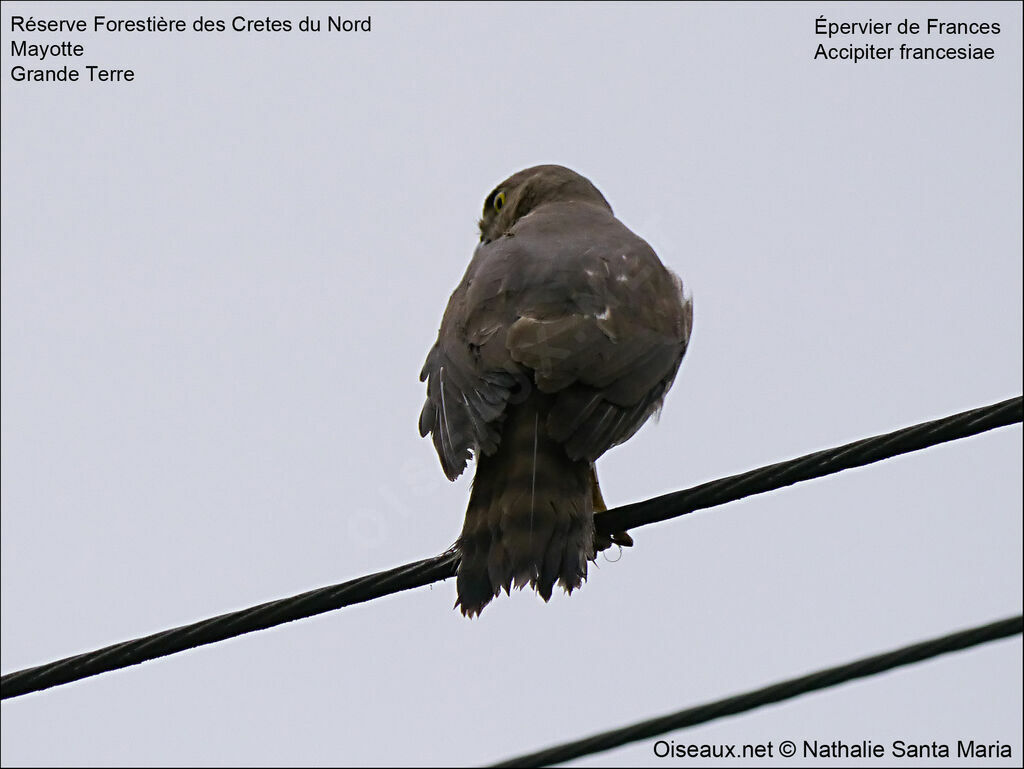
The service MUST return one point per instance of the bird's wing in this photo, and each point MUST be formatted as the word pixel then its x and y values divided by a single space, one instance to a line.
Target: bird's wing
pixel 572 303
pixel 605 386
pixel 465 402
pixel 609 343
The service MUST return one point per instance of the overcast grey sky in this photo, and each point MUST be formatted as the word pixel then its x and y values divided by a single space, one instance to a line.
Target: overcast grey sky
pixel 220 282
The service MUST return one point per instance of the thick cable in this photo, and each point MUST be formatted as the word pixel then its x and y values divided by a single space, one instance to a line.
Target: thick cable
pixel 784 690
pixel 443 566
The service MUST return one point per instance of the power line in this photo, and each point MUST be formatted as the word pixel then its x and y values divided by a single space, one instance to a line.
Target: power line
pixel 443 566
pixel 229 625
pixel 775 693
pixel 856 454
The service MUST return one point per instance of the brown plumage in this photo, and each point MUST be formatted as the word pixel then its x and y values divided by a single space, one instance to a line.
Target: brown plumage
pixel 561 340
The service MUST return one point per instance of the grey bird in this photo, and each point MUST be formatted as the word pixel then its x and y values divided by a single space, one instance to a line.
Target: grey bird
pixel 560 341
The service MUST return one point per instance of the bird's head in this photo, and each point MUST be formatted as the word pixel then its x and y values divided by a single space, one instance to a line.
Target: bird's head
pixel 529 189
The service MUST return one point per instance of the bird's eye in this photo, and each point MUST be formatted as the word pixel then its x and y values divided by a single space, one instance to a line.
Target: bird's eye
pixel 499 201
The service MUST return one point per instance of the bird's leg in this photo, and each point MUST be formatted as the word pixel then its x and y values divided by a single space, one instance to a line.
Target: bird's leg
pixel 604 541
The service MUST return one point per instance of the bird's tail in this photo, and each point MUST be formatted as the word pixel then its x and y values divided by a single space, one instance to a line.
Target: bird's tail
pixel 530 518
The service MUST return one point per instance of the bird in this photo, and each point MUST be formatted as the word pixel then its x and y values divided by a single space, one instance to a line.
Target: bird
pixel 560 341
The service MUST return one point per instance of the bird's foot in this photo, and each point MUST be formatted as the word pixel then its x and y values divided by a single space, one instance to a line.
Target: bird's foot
pixel 604 541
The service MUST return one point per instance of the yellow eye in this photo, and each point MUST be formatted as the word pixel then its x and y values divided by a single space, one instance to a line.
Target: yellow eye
pixel 499 201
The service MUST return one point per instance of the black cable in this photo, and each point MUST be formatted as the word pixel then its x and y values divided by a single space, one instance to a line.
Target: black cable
pixel 776 692
pixel 443 566
pixel 229 625
pixel 856 454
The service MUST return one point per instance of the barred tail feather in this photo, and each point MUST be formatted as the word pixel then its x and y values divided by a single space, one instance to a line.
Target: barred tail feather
pixel 530 519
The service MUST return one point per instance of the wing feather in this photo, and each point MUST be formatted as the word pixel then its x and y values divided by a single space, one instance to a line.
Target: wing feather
pixel 570 302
